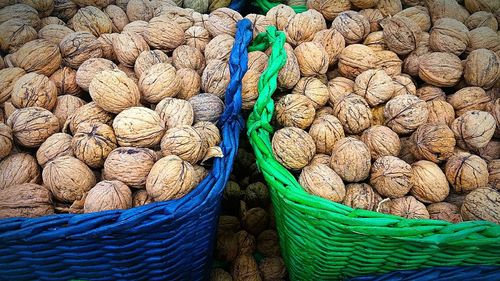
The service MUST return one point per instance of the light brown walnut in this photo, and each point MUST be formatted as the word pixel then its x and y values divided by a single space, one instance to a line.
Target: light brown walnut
pixel 122 160
pixel 293 147
pixel 391 176
pixel 351 160
pixel 170 178
pixel 466 172
pixel 321 180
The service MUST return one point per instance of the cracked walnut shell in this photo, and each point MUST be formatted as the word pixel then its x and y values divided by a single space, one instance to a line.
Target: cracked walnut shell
pixel 391 176
pixel 433 142
pixel 170 178
pixel 353 112
pixel 114 91
pixel 466 172
pixel 18 168
pixel 321 180
pixel 32 90
pixel 294 110
pixel 293 147
pixel 25 200
pixel 381 141
pixel 138 127
pixel 122 160
pixel 405 113
pixel 428 182
pixel 482 204
pixel 474 129
pixel 57 145
pixel 31 126
pixel 108 195
pixel 92 143
pixel 351 159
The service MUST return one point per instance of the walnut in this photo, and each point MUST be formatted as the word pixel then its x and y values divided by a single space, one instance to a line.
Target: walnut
pixel 375 86
pixel 249 91
pixel 170 178
pixel 351 159
pixel 158 82
pixel 122 160
pixel 215 77
pixel 474 129
pixel 91 68
pixel 190 82
pixel 138 127
pixel 14 33
pixel 294 156
pixel 117 16
pixel 405 113
pixel 482 68
pixel 38 56
pixel 92 143
pixel 320 159
pixel 447 9
pixel 108 195
pixel 412 61
pixel 88 113
pixel 245 267
pixel 219 274
pixel 113 91
pixel 353 26
pixel 280 16
pixel 314 89
pixel 295 110
pixel 361 196
pixel 401 34
pixel 198 37
pixel 378 115
pixel 440 112
pixel 389 62
pixel 64 9
pixel 146 59
pixel 178 15
pixel 468 98
pixel 329 9
pixel 403 85
pixel 164 34
pixel 321 180
pixel 449 35
pixel 141 198
pixel 22 12
pixel 54 33
pixel 256 194
pixel 209 133
pixel 207 107
pixel 18 168
pixel 43 7
pixel 419 14
pixel 289 75
pixel 429 183
pixel 96 3
pixel 482 5
pixel 481 19
pixel 374 17
pixel 483 38
pixel 129 72
pixel 494 173
pixel 257 61
pixel 494 109
pixel 381 141
pixel 406 150
pixel 138 27
pixel 222 21
pixel 444 211
pixel 390 176
pixel 188 57
pixel 92 19
pixel 272 268
pixel 175 112
pixel 128 46
pixel 466 172
pixel 433 142
pixel 312 58
pixel 185 142
pixel 54 146
pixel 255 220
pixel 6 140
pixel 246 242
pixel 430 93
pixel 302 27
pixel 226 246
pixel 259 23
pixel 106 43
pixel 491 151
pixel 353 112
pixel 8 78
pixel 482 204
pixel 339 86
pixel 389 7
pixel 355 59
pixel 31 126
pixel 139 10
pixel 34 89
pixel 408 207
pixel 68 178
pixel 25 200
pixel 326 131
pixel 78 47
pixel 219 47
pixel 268 244
pixel 375 41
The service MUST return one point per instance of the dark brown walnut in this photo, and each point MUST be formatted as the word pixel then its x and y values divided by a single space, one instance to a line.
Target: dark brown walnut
pixel 146 59
pixel 6 140
pixel 491 151
pixel 54 33
pixel 389 7
pixel 68 178
pixel 138 127
pixel 256 194
pixel 444 211
pixel 268 244
pixel 419 14
pixel 190 82
pixel 482 68
pixel 389 62
pixel 128 46
pixel 312 58
pixel 374 17
pixel 353 112
pixel 433 142
pixel 219 274
pixel 207 107
pixel 185 142
pixel 226 246
pixel 22 12
pixel 329 9
pixel 228 224
pixel 455 199
pixel 375 86
pixel 293 147
pixel 449 36
pixel 430 93
pixel 25 200
pixel 468 98
pixel 18 168
pixel 139 10
pixel 122 160
pixel 378 115
pixel 405 113
pixel 295 110
pixel 482 19
pixel 8 77
pixel 78 47
pixel 90 69
pixel 219 47
pixel 222 21
pixel 280 15
pixel 412 61
pixel 351 159
pixel 108 195
pixel 88 113
pixel 198 37
pixel 92 19
pixel 92 143
pixel 289 75
pixel 406 150
pixel 117 16
pixel 141 198
pixel 375 41
pixel 494 174
pixel 246 243
pixel 272 268
pixel 188 57
pixel 482 204
pixel 31 126
pixel 302 27
pixel 355 59
pixel 332 41
pixel 353 26
pixel 361 196
pixel 38 56
pixel 466 172
pixel 474 129
pixel 158 82
pixel 64 9
pixel 113 91
pixel 326 130
pixel 408 207
pixel 440 112
pixel 440 69
pixel 14 33
pixel 403 85
pixel 215 77
pixel 337 87
pixel 391 176
pixel 257 61
pixel 55 146
pixel 34 89
pixel 483 38
pixel 170 178
pixel 175 112
pixel 209 133
pixel 321 180
pixel 401 34
pixel 482 5
pixel 244 267
pixel 447 9
pixel 428 182
pixel 249 90
pixel 381 141
pixel 255 220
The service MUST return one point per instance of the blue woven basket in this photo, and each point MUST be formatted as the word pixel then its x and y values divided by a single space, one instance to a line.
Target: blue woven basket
pixel 466 273
pixel 161 241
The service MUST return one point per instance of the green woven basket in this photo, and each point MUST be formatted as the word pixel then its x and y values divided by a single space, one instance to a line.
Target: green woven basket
pixel 266 5
pixel 323 240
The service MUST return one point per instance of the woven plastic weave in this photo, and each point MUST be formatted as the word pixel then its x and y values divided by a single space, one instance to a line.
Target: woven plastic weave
pixel 466 273
pixel 323 240
pixel 170 240
pixel 266 5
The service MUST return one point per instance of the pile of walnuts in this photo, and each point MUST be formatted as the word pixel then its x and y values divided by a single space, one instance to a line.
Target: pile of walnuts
pixel 108 105
pixel 393 106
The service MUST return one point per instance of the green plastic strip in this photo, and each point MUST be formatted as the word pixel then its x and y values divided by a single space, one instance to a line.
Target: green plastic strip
pixel 266 5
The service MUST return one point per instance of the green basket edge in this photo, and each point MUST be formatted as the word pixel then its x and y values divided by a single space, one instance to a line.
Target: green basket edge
pixel 266 5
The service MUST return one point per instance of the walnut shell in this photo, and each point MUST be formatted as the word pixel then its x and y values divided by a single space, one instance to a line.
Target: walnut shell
pixel 219 47
pixel 433 142
pixel 122 160
pixel 188 57
pixel 68 178
pixel 391 176
pixel 128 46
pixel 338 87
pixel 246 242
pixel 43 7
pixel 482 68
pixel 403 85
pixel 141 198
pixel 18 168
pixel 280 15
pixel 215 77
pixel 64 9
pixel 113 91
pixel 226 246
pixel 375 86
pixel 326 131
pixel 295 110
pixel 138 27
pixel 294 156
pixel 322 181
pixel 6 140
pixel 353 112
pixel 401 34
pixel 375 41
pixel 78 47
pixel 175 112
pixel 482 204
pixel 219 274
pixel 389 7
pixel 96 3
pixel 302 27
pixel 381 141
pixel 406 149
pixel 312 58
pixel 31 126
pixel 92 19
pixel 468 98
pixel 289 75
pixel 244 267
pixel 117 16
pixel 92 143
pixel 353 26
pixel 198 37
pixel 34 89
pixel 146 59
pixel 351 159
pixel 389 62
pixel 408 207
pixel 405 113
pixel 361 196
pixel 411 63
pixel 54 146
pixel 440 112
pixel 190 82
pixel 491 151
pixel 38 56
pixel 332 41
pixel 249 91
pixel 22 12
pixel 483 38
pixel 481 5
pixel 257 61
pixel 65 81
pixel 494 173
pixel 91 68
pixel 170 178
pixel 481 19
pixel 419 14
pixel 255 220
pixel 428 182
pixel 54 33
pixel 14 33
pixel 8 78
pixel 494 109
pixel 138 127
pixel 466 172
pixel 259 23
pixel 430 93
pixel 158 82
pixel 374 17
pixel 88 113
pixel 185 142
pixel 108 195
pixel 139 10
pixel 207 107
pixel 25 200
pixel 474 129
pixel 444 211
pixel 355 59
pixel 440 69
pixel 272 268
pixel 447 9
pixel 449 36
pixel 378 115
pixel 222 21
